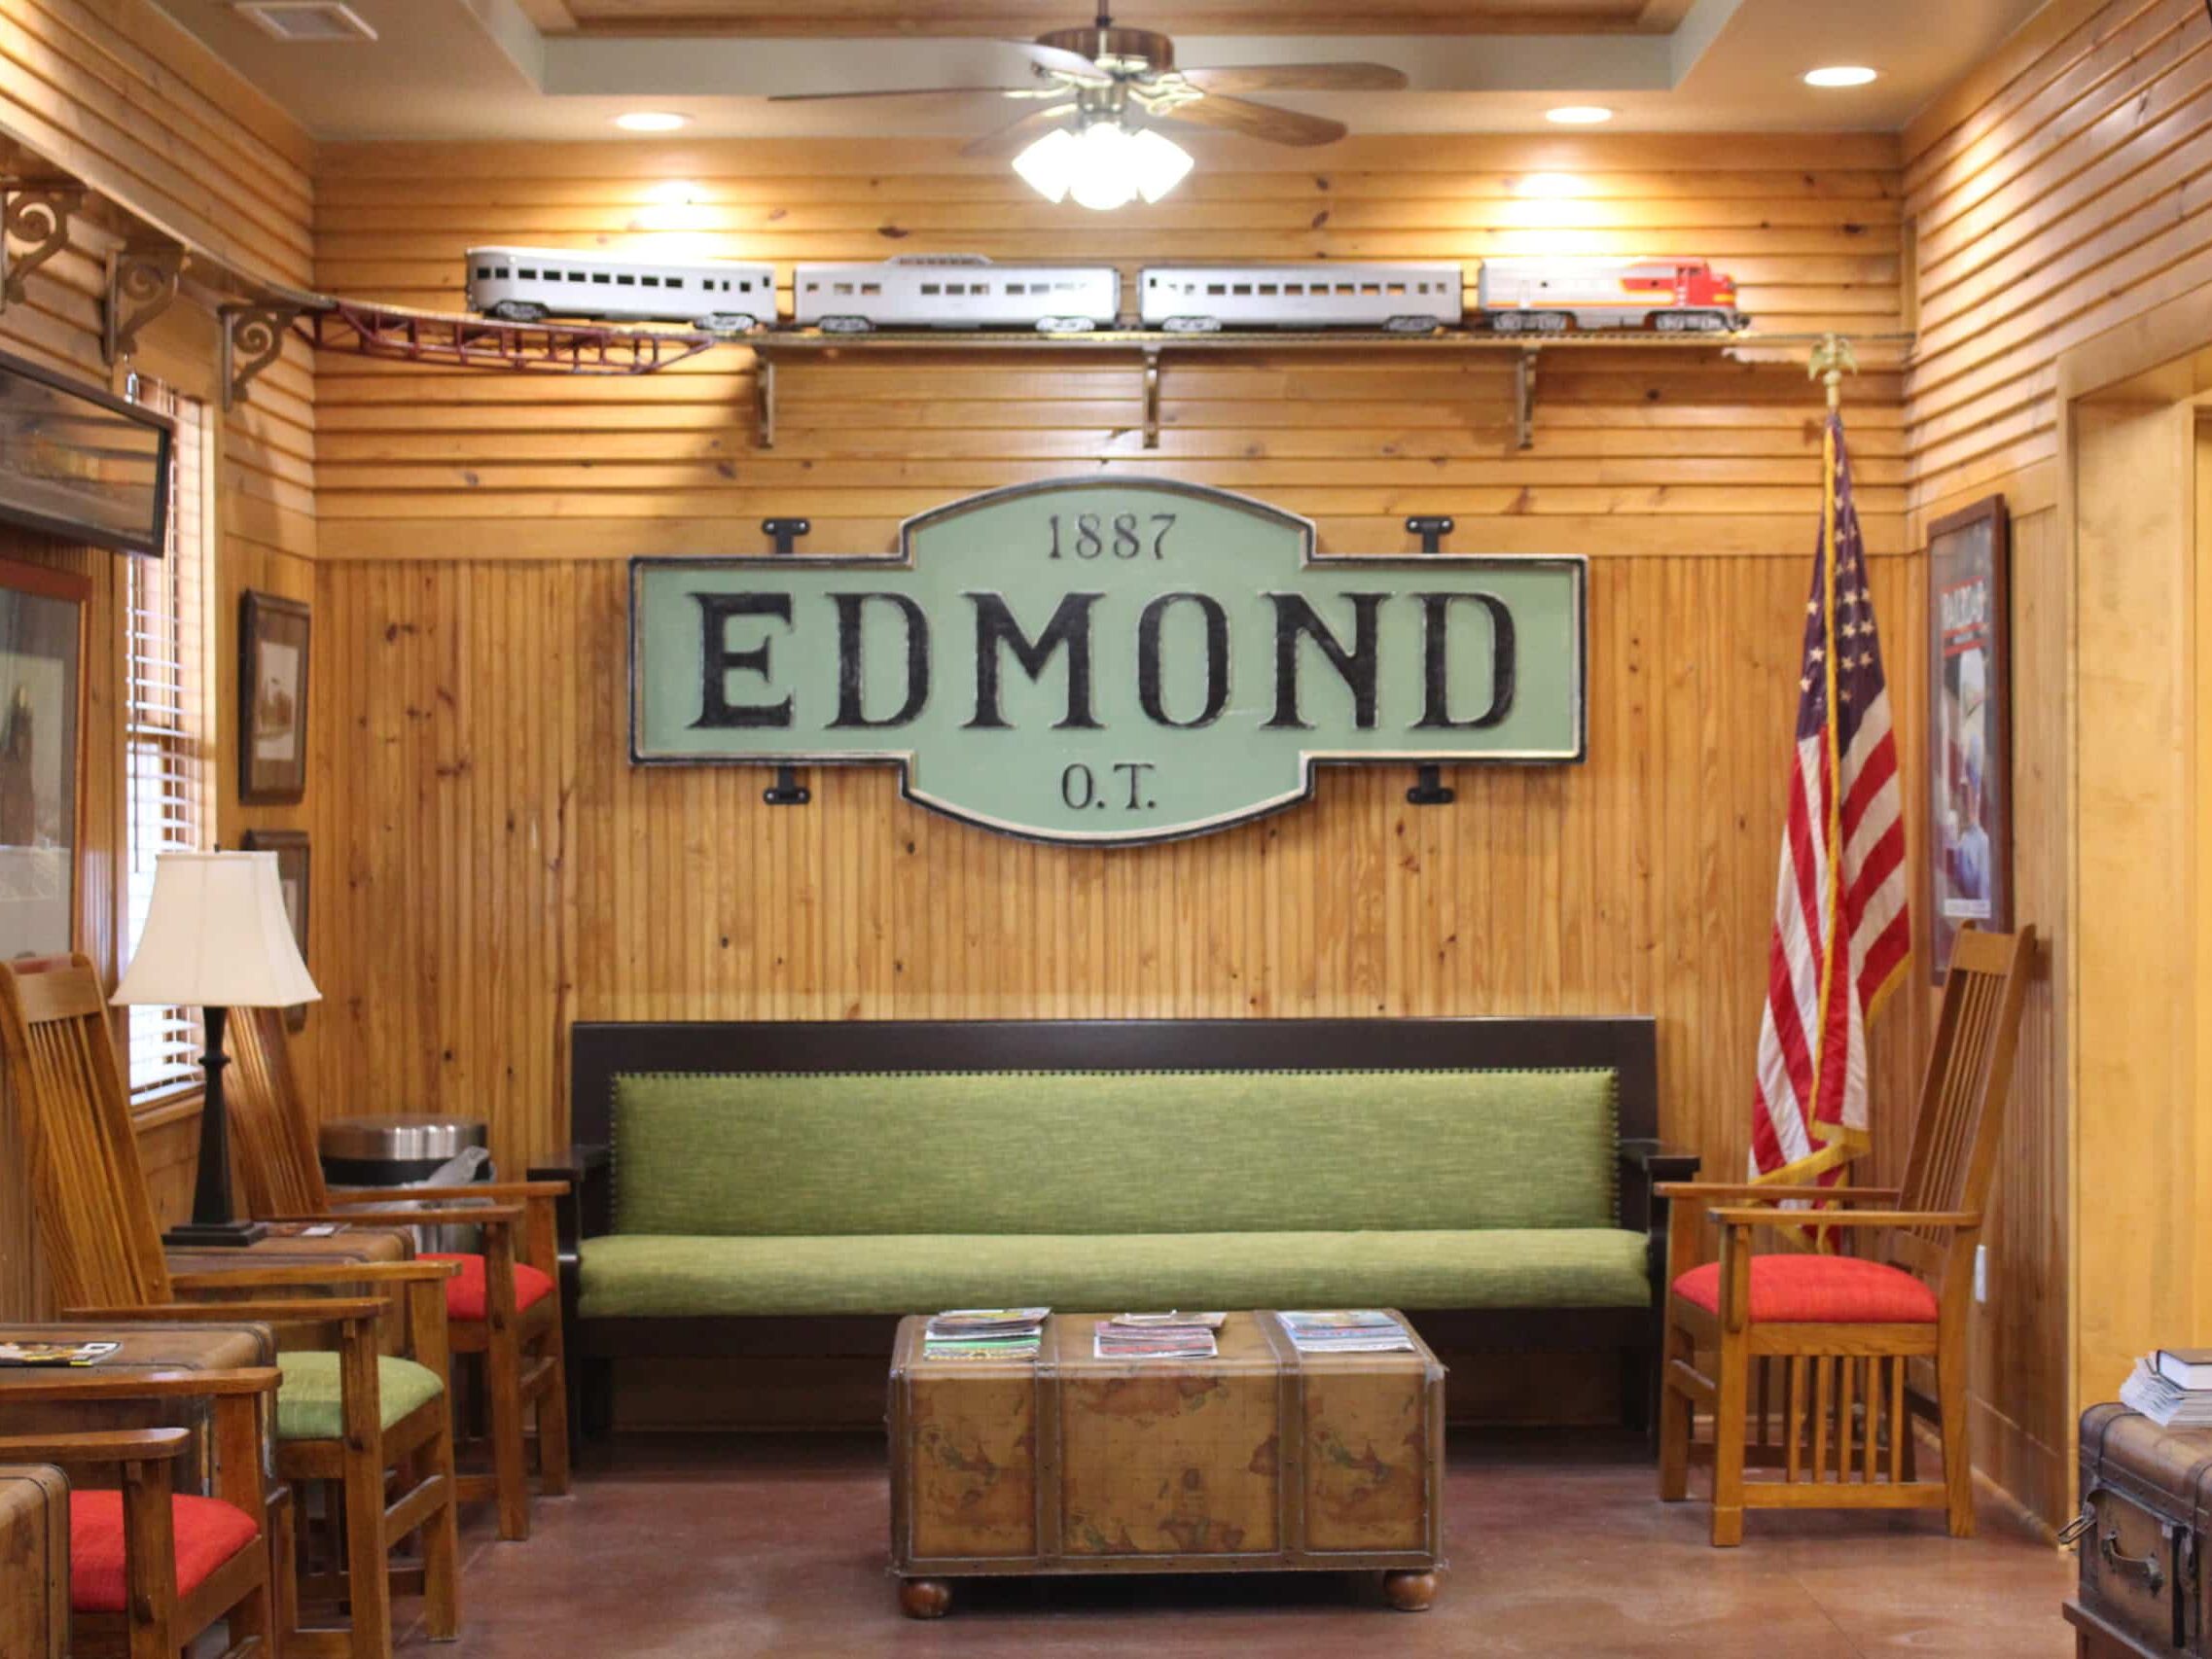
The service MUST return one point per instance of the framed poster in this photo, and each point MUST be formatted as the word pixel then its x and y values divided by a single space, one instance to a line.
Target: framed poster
pixel 291 849
pixel 42 624
pixel 272 699
pixel 79 463
pixel 1970 841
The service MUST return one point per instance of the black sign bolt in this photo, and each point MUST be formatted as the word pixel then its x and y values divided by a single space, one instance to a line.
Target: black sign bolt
pixel 1431 532
pixel 787 789
pixel 1428 782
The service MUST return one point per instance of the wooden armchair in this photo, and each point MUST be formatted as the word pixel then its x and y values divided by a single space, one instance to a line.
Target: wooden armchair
pixel 1846 1327
pixel 346 1413
pixel 503 1304
pixel 149 1569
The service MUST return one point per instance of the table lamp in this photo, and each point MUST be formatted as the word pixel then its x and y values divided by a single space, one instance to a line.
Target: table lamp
pixel 216 939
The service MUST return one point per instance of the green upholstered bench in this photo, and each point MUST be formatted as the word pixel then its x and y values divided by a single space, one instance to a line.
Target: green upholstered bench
pixel 1491 1177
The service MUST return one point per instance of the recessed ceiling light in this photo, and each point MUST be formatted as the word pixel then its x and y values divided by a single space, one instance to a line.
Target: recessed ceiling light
pixel 1580 115
pixel 652 121
pixel 1840 75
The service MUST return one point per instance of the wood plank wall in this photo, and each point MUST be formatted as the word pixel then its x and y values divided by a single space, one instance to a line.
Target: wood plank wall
pixel 121 97
pixel 2058 193
pixel 492 869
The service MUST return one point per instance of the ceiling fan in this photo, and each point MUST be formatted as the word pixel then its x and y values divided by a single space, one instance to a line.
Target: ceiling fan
pixel 1108 74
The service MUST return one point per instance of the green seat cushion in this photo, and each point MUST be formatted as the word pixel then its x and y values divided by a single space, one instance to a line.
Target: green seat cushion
pixel 637 1275
pixel 1058 1152
pixel 307 1398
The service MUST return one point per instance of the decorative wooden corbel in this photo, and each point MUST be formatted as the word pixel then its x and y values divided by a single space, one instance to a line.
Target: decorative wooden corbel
pixel 35 211
pixel 142 283
pixel 253 338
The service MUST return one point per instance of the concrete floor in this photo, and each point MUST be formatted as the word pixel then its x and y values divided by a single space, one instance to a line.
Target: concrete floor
pixel 728 1548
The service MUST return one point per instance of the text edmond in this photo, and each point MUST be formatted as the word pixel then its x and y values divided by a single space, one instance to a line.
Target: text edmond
pixel 1300 636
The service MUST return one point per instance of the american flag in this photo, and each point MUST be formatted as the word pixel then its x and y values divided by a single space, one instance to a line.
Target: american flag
pixel 1841 929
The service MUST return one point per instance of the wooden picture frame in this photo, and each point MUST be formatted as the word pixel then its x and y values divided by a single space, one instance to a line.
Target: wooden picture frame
pixel 293 866
pixel 1970 678
pixel 273 635
pixel 42 757
pixel 81 465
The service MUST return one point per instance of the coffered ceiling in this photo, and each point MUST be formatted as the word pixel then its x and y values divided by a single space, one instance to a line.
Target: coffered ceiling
pixel 564 69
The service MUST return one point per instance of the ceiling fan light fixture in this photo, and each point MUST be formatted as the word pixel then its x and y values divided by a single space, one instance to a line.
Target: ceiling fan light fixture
pixel 1104 167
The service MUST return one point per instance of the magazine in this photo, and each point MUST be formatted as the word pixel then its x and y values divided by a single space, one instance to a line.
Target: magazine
pixel 1358 1330
pixel 55 1352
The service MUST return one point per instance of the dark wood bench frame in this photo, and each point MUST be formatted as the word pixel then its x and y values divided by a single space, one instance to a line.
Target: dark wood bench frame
pixel 601 1051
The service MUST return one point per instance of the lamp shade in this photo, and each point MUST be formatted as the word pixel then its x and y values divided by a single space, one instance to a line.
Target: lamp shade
pixel 217 936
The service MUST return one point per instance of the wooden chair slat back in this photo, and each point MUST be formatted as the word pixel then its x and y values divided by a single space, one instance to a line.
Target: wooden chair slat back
pixel 278 1166
pixel 96 1213
pixel 1970 1074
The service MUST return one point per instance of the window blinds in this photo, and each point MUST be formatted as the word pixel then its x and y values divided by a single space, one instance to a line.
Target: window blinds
pixel 170 777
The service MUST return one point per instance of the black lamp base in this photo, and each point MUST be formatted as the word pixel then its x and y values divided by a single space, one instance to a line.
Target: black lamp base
pixel 214 1235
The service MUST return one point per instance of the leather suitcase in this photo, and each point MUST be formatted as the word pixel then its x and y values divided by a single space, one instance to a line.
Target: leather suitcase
pixel 2144 1525
pixel 34 1561
pixel 1261 1459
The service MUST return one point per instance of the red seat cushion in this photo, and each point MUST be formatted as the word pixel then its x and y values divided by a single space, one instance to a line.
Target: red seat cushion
pixel 209 1532
pixel 465 1292
pixel 1818 1290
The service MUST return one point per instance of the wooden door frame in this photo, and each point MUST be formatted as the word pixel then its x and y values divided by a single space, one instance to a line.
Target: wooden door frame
pixel 2155 374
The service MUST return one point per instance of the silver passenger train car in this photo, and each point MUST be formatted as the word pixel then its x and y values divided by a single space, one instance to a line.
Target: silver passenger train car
pixel 955 291
pixel 1334 294
pixel 525 285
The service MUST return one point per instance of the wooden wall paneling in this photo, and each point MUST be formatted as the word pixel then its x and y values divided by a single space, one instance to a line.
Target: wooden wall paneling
pixel 2057 196
pixel 118 94
pixel 2071 199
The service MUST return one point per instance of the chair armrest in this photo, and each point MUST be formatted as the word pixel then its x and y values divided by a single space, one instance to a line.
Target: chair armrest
pixel 473 1215
pixel 1767 1192
pixel 508 1190
pixel 586 1213
pixel 1659 1160
pixel 308 1309
pixel 337 1273
pixel 69 1388
pixel 1643 1164
pixel 98 1446
pixel 1751 1215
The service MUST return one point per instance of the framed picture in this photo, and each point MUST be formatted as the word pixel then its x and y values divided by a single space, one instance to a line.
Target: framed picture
pixel 42 691
pixel 272 699
pixel 1970 679
pixel 291 849
pixel 79 463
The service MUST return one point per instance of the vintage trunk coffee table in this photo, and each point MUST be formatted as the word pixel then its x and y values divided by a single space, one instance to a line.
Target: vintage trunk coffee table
pixel 1259 1460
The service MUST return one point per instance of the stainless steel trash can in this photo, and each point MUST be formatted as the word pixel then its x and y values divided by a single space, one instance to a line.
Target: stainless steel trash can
pixel 410 1149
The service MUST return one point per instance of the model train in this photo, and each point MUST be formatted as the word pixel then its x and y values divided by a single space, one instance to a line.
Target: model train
pixel 1403 298
pixel 525 285
pixel 1533 295
pixel 955 291
pixel 966 291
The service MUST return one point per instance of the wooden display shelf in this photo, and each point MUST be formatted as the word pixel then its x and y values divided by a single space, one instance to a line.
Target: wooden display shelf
pixel 1153 346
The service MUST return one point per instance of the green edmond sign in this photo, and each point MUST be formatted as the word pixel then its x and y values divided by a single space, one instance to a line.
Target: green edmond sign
pixel 1107 660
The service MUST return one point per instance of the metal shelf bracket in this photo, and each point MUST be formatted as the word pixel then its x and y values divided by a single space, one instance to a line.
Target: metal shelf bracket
pixel 1152 398
pixel 1524 397
pixel 142 283
pixel 35 211
pixel 253 338
pixel 763 401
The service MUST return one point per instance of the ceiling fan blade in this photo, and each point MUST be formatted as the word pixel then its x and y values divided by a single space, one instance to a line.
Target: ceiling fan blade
pixel 1059 57
pixel 1299 78
pixel 1258 121
pixel 1013 137
pixel 906 92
